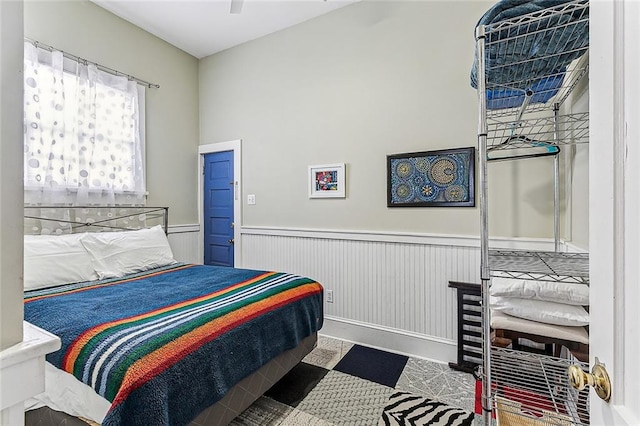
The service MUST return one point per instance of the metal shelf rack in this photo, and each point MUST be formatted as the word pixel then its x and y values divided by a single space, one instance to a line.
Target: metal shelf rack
pixel 558 130
pixel 542 266
pixel 526 67
pixel 536 388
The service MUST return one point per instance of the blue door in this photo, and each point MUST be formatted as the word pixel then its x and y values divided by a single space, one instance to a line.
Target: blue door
pixel 218 208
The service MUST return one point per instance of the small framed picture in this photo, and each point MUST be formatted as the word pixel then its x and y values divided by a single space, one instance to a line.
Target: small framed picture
pixel 327 181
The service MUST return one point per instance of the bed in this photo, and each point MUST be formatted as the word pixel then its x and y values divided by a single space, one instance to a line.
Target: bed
pixel 148 340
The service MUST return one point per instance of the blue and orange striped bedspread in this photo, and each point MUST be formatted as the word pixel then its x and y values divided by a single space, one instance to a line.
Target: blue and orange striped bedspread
pixel 165 344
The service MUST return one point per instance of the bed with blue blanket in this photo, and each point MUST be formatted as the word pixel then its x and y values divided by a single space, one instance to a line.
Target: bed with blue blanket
pixel 164 344
pixel 147 340
pixel 524 58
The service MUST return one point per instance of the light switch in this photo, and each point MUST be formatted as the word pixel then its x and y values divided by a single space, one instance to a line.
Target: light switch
pixel 251 199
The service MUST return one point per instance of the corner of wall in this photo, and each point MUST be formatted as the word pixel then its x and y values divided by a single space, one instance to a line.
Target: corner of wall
pixel 11 196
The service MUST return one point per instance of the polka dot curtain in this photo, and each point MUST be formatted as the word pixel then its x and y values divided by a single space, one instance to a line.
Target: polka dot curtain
pixel 82 133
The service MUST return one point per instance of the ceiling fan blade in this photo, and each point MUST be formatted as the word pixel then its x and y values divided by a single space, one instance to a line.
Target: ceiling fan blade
pixel 236 6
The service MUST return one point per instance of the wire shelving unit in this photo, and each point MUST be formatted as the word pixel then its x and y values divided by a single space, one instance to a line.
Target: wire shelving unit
pixel 526 68
pixel 530 389
pixel 542 266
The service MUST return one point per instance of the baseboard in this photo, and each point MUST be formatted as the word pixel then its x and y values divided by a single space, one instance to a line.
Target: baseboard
pixel 389 339
pixel 574 248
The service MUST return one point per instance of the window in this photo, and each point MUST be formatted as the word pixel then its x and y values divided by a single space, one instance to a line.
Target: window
pixel 84 133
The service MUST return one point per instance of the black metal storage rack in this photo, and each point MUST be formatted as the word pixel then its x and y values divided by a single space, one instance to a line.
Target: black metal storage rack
pixel 469 326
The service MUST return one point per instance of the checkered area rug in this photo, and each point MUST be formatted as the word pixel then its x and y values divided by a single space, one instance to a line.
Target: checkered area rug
pixel 339 383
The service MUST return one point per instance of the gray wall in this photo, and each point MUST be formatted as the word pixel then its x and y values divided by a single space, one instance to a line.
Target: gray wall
pixel 10 173
pixel 357 84
pixel 86 30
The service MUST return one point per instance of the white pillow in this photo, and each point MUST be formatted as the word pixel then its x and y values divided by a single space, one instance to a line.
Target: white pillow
pixel 541 311
pixel 115 254
pixel 571 294
pixel 55 259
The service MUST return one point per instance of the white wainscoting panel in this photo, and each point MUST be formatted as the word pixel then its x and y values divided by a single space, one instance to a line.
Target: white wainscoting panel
pixel 184 241
pixel 381 285
pixel 390 289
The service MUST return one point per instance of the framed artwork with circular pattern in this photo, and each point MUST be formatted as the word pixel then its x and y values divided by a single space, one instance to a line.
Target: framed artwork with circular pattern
pixel 443 178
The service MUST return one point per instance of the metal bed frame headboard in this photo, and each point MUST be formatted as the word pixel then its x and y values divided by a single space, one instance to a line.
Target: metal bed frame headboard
pixel 76 219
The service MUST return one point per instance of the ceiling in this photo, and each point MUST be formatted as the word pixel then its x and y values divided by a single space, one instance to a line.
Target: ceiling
pixel 205 27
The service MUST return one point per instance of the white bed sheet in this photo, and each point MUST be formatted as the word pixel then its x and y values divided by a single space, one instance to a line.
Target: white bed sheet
pixel 63 392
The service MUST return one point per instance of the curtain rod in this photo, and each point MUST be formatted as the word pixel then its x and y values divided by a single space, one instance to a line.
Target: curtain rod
pixel 43 46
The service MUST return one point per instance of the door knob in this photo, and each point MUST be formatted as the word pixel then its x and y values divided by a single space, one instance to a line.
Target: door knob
pixel 598 379
pixel 230 241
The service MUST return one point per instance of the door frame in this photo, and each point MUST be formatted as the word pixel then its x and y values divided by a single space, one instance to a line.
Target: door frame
pixel 614 160
pixel 236 147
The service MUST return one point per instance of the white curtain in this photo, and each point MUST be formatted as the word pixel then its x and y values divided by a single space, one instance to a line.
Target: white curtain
pixel 83 133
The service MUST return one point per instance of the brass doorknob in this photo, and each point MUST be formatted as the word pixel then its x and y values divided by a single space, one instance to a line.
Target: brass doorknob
pixel 598 379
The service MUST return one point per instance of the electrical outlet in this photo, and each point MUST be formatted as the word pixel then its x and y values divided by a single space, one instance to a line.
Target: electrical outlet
pixel 329 296
pixel 251 199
